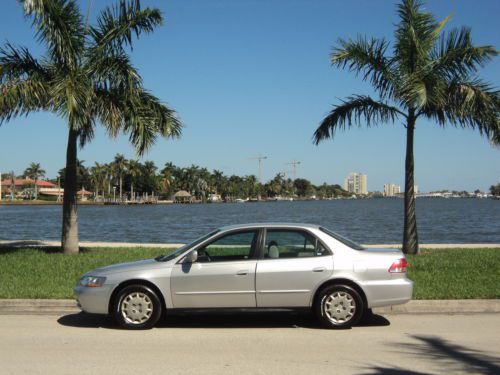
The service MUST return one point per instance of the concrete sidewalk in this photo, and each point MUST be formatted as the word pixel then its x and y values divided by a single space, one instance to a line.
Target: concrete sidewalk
pixel 43 243
pixel 68 306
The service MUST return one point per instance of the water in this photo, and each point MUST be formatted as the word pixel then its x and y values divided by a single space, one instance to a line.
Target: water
pixel 366 221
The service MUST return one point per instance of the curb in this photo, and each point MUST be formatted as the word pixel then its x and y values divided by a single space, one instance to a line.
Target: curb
pixel 464 306
pixel 450 306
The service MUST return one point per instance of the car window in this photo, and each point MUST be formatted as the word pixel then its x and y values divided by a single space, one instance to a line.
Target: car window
pixel 344 240
pixel 234 246
pixel 291 244
pixel 179 251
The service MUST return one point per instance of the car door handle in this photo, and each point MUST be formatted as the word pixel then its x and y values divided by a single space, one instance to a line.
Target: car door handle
pixel 242 272
pixel 319 269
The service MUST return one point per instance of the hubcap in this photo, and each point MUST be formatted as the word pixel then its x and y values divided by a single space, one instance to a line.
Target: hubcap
pixel 136 308
pixel 339 307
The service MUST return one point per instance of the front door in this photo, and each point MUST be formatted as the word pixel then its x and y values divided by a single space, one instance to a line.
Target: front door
pixel 223 275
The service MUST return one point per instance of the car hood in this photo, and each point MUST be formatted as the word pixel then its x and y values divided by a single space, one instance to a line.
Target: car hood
pixel 129 266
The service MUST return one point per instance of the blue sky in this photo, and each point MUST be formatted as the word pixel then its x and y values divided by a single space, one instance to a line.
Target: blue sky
pixel 253 77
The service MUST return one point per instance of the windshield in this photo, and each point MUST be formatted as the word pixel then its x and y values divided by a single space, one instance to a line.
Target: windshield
pixel 342 239
pixel 180 250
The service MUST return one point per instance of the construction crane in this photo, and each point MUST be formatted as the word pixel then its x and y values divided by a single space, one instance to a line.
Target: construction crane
pixel 294 164
pixel 259 158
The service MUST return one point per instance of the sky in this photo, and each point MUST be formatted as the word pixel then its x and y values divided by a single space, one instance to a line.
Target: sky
pixel 253 77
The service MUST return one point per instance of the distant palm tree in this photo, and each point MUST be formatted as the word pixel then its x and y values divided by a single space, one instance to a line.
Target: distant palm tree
pixel 430 74
pixel 98 176
pixel 120 165
pixel 86 77
pixel 34 172
pixel 133 170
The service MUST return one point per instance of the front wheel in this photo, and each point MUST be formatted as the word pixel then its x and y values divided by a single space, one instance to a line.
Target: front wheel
pixel 339 306
pixel 137 307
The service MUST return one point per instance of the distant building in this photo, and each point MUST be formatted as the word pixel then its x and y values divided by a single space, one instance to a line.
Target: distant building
pixel 356 183
pixel 391 190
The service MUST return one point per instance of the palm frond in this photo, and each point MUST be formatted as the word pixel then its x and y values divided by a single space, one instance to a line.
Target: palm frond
pixel 455 56
pixel 18 63
pixel 469 104
pixel 59 24
pixel 116 25
pixel 20 97
pixel 367 57
pixel 112 71
pixel 149 118
pixel 415 36
pixel 354 111
pixel 142 116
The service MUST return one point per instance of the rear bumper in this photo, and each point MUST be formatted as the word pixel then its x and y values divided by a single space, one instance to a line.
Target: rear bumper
pixel 93 300
pixel 388 292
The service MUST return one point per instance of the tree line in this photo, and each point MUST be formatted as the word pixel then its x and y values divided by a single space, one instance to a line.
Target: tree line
pixel 127 179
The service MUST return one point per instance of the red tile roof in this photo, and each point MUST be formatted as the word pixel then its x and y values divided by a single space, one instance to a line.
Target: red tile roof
pixel 27 181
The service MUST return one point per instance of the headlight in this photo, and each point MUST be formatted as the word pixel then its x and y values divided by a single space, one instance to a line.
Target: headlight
pixel 92 281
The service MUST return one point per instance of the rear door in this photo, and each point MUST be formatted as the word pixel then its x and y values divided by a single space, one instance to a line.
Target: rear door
pixel 294 262
pixel 223 275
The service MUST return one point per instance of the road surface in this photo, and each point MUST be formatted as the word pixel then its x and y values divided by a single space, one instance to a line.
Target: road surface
pixel 270 343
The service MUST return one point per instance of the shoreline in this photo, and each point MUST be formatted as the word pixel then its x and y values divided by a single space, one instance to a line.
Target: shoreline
pixel 103 244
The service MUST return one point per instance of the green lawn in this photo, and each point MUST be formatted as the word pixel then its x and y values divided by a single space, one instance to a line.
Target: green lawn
pixel 438 274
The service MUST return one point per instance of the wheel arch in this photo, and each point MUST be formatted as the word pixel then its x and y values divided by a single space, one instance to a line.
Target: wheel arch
pixel 340 281
pixel 142 282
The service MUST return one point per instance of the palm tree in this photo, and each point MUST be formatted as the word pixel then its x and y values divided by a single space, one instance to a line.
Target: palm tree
pixel 133 170
pixel 430 75
pixel 120 165
pixel 34 172
pixel 98 175
pixel 86 77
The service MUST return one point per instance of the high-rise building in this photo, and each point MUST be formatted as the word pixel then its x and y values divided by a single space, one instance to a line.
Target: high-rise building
pixel 390 190
pixel 356 183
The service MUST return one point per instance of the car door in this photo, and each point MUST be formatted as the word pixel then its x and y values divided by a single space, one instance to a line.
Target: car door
pixel 293 264
pixel 222 276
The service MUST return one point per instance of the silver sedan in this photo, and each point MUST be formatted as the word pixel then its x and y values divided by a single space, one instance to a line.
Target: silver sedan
pixel 254 266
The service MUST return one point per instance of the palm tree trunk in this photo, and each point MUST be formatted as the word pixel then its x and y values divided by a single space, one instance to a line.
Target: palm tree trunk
pixel 410 235
pixel 121 181
pixel 70 223
pixel 132 190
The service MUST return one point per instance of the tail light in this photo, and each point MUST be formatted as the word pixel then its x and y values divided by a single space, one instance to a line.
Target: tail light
pixel 399 266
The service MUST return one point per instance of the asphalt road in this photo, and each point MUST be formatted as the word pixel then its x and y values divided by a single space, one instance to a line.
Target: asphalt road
pixel 251 344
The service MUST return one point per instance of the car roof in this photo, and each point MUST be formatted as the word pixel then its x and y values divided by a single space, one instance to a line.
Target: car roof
pixel 270 225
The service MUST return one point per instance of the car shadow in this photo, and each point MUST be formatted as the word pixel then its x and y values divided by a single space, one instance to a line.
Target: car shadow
pixel 220 319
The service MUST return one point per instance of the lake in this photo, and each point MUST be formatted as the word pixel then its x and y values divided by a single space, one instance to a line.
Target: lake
pixel 368 221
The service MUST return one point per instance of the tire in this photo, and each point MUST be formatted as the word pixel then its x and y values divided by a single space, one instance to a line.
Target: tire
pixel 137 307
pixel 339 307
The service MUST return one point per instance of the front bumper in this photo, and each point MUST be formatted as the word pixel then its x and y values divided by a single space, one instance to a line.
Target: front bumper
pixel 93 300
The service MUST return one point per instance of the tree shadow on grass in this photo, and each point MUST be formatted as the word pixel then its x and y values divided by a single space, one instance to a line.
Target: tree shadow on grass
pixel 20 246
pixel 448 357
pixel 219 319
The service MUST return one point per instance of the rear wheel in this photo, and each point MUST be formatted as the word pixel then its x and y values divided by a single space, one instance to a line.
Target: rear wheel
pixel 137 307
pixel 339 306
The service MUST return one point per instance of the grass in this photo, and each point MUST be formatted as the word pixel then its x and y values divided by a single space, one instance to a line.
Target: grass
pixel 455 273
pixel 438 274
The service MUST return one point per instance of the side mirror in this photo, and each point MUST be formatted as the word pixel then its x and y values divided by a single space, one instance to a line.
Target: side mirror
pixel 191 257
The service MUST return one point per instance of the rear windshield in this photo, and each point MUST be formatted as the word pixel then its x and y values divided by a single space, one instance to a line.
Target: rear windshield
pixel 345 241
pixel 180 250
